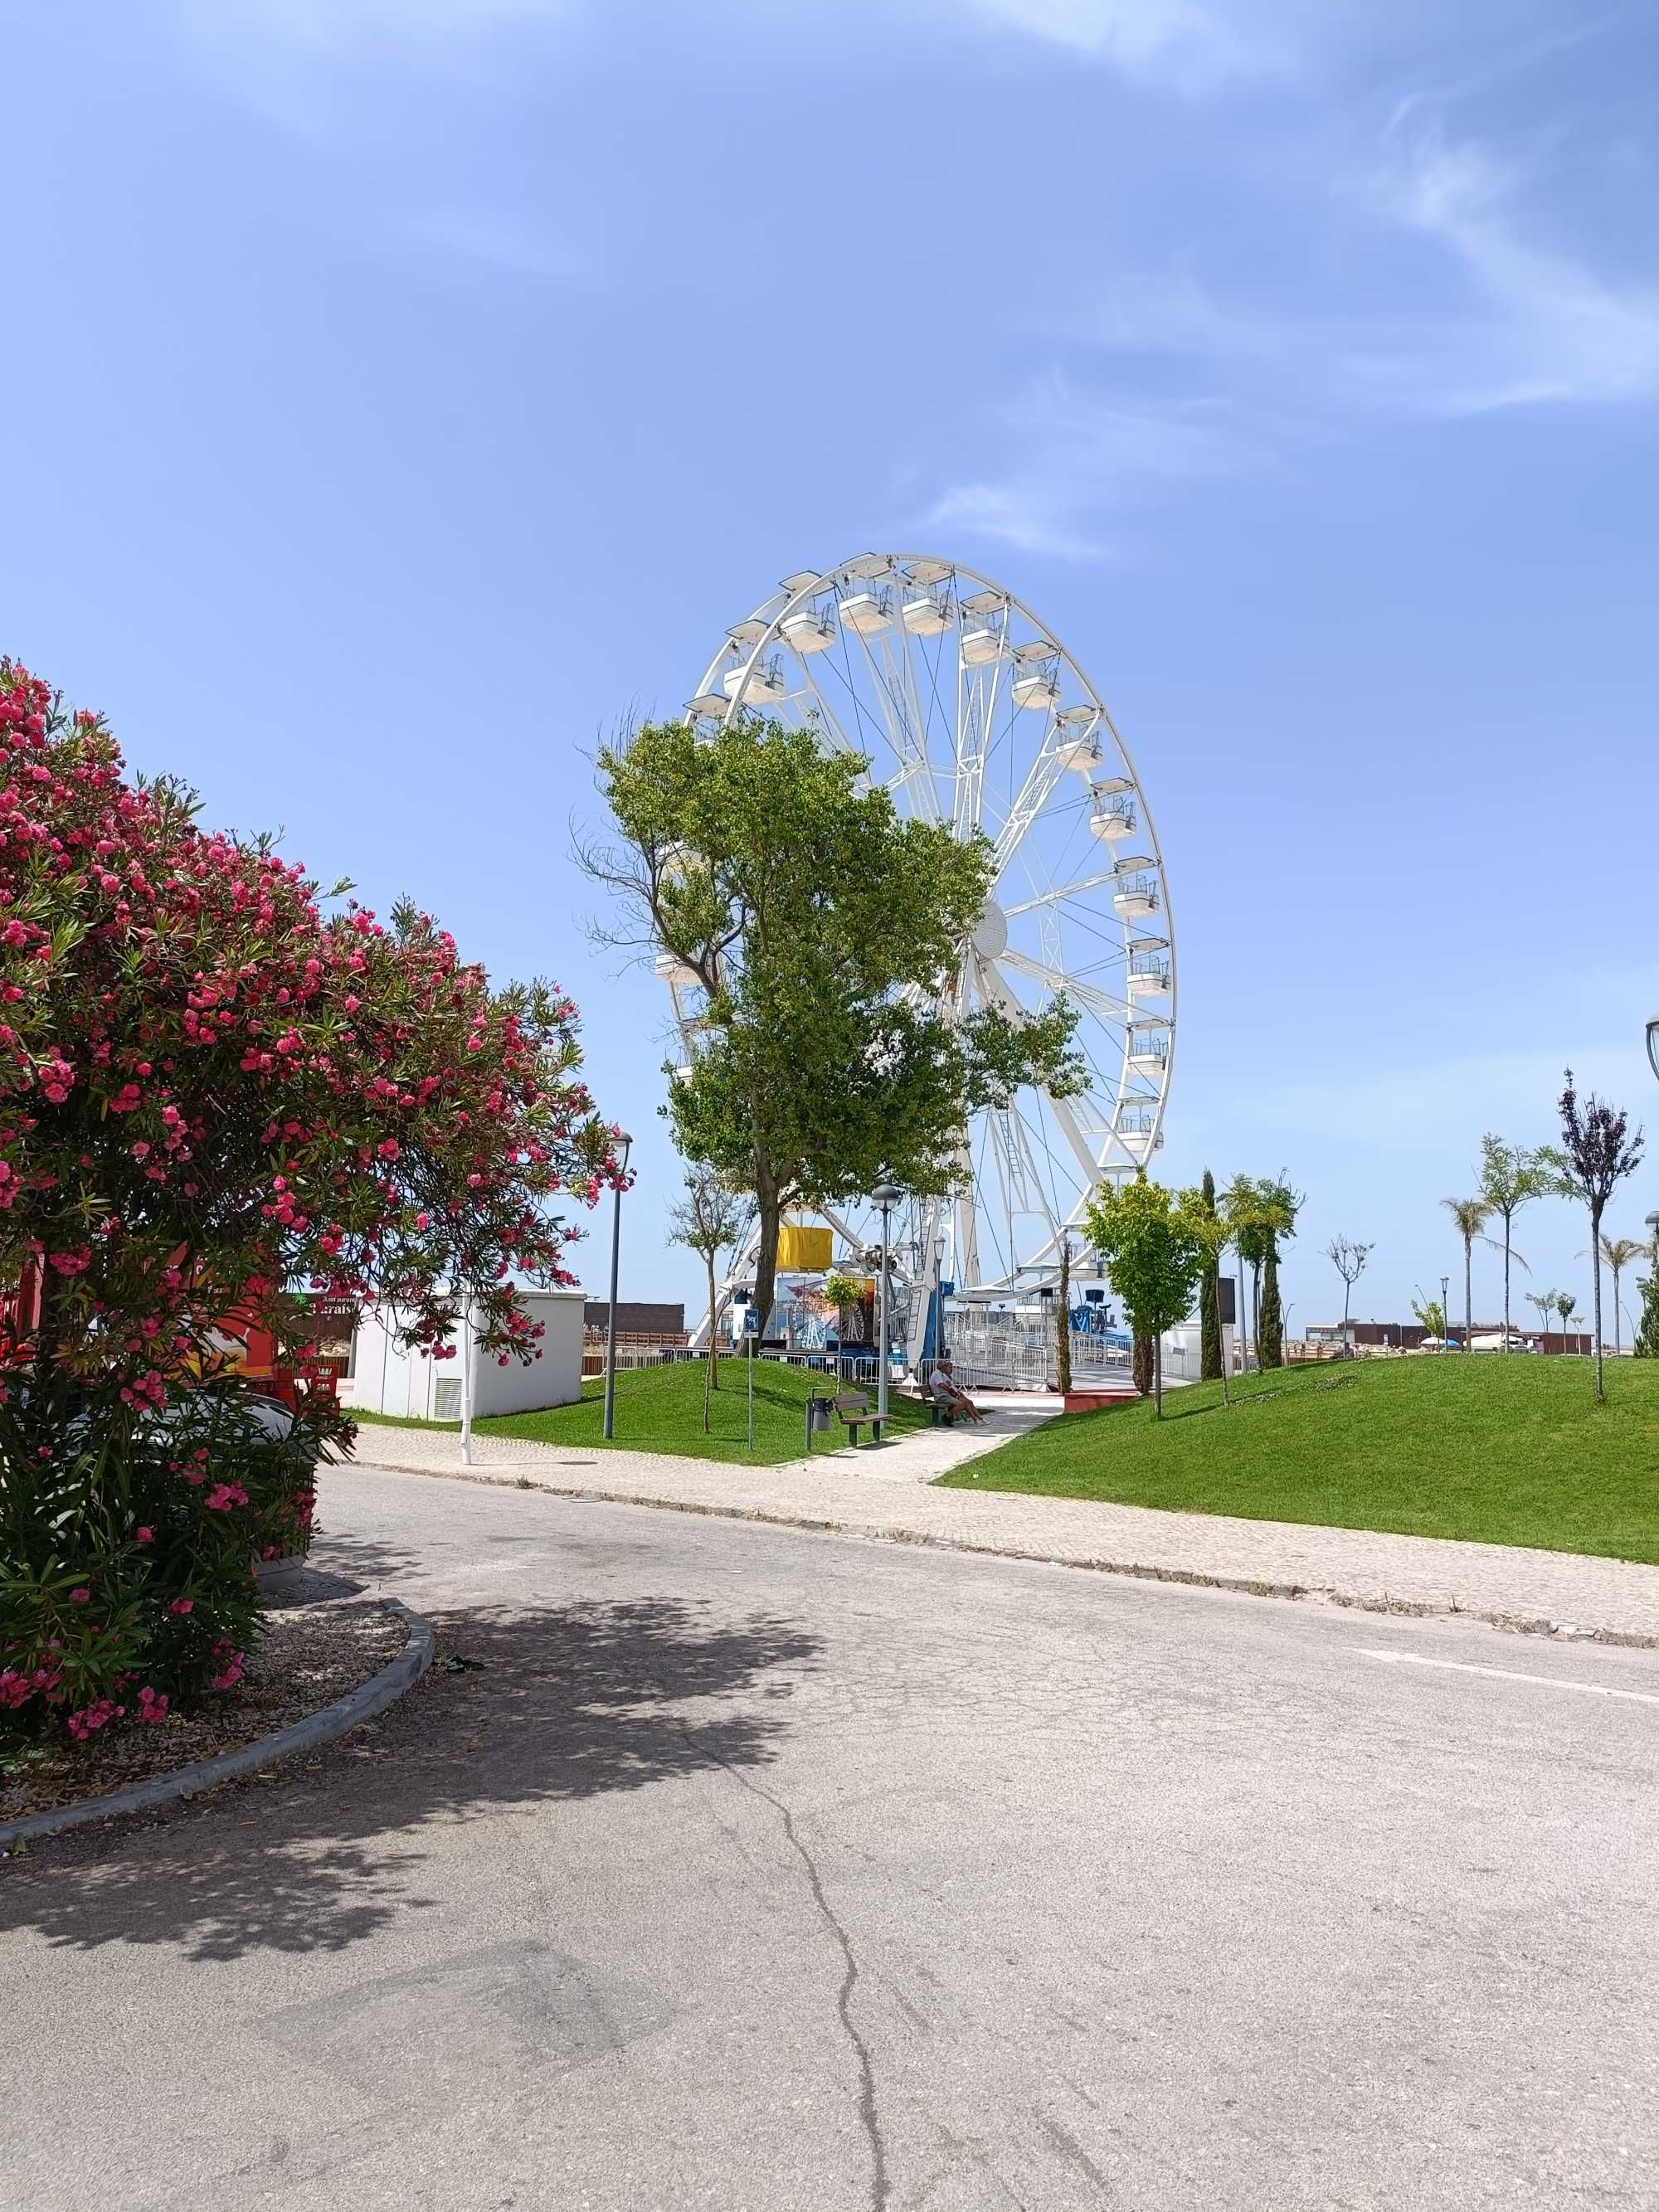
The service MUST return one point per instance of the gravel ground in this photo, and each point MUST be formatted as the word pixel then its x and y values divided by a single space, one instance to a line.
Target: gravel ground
pixel 310 1656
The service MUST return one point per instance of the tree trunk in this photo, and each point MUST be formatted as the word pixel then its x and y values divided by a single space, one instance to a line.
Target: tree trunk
pixel 1256 1308
pixel 1595 1277
pixel 713 1322
pixel 1468 1294
pixel 1142 1362
pixel 1157 1377
pixel 1063 1321
pixel 1209 1300
pixel 1617 1336
pixel 766 1254
pixel 1506 1282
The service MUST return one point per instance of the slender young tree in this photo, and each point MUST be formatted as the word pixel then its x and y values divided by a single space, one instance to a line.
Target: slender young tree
pixel 1545 1302
pixel 1596 1153
pixel 709 1218
pixel 1511 1177
pixel 1565 1305
pixel 1349 1261
pixel 1209 1293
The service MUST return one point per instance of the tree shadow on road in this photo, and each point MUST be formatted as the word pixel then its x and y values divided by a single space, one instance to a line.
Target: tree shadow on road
pixel 559 1704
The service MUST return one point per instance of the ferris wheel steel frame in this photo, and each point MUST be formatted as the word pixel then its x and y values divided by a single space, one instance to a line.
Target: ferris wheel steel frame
pixel 1113 1129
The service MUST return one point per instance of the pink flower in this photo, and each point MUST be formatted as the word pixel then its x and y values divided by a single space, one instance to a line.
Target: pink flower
pixel 144 1535
pixel 224 1495
pixel 182 1605
pixel 232 1674
pixel 79 1596
pixel 152 1705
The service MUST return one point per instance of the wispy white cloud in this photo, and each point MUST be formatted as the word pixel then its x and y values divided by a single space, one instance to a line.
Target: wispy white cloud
pixel 1078 456
pixel 1547 327
pixel 1180 45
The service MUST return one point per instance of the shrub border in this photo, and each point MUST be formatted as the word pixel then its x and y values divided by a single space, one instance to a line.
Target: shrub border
pixel 397 1677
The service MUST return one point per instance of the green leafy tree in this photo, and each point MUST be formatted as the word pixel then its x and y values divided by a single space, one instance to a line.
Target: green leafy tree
pixel 1152 1256
pixel 846 1294
pixel 1566 1305
pixel 1596 1153
pixel 1262 1210
pixel 1431 1317
pixel 1646 1343
pixel 1511 1177
pixel 814 935
pixel 1209 1293
pixel 1545 1302
pixel 711 1219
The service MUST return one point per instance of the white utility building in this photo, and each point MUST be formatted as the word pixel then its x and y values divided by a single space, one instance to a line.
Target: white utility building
pixel 384 1378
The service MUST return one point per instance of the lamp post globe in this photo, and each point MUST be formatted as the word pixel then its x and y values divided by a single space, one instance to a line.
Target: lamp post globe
pixel 621 1146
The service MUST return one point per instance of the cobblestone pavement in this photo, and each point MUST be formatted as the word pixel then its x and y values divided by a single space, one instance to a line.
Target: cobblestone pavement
pixel 884 1491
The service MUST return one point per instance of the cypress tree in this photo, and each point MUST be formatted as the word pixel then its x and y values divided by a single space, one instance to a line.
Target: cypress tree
pixel 1209 1302
pixel 1270 1329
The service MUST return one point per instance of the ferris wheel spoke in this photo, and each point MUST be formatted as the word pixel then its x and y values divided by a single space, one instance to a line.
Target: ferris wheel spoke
pixel 1100 1003
pixel 1061 891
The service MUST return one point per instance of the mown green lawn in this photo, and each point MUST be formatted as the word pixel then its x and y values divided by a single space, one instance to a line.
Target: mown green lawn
pixel 1497 1450
pixel 659 1409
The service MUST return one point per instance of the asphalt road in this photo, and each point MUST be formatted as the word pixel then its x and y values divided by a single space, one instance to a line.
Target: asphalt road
pixel 756 1871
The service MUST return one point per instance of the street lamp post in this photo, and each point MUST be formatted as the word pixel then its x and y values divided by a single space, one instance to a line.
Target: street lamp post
pixel 886 1195
pixel 939 1292
pixel 1445 1311
pixel 621 1146
pixel 1653 1042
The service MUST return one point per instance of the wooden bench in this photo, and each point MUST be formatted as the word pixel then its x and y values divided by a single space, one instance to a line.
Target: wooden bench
pixel 852 1411
pixel 940 1416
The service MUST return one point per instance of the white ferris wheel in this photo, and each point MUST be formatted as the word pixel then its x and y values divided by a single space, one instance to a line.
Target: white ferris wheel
pixel 970 712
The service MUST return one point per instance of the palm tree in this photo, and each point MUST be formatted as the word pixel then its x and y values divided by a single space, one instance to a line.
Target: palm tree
pixel 1618 1253
pixel 1471 1216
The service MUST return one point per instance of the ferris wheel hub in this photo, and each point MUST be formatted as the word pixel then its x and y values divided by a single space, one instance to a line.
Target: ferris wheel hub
pixel 990 936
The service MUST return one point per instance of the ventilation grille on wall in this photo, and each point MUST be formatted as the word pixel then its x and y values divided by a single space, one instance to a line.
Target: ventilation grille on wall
pixel 446 1399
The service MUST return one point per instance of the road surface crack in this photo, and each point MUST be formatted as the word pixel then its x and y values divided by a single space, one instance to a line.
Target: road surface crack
pixel 880 2184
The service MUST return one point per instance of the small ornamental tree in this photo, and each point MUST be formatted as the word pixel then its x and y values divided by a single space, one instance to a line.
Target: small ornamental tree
pixel 1063 1322
pixel 711 1218
pixel 1511 1177
pixel 1152 1257
pixel 212 1089
pixel 1213 1234
pixel 1349 1259
pixel 1596 1153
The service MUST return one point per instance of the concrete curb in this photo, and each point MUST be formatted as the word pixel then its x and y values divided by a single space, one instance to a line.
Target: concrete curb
pixel 1514 1624
pixel 363 1704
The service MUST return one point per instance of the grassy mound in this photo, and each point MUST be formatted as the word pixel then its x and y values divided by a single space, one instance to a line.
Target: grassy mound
pixel 659 1409
pixel 1499 1451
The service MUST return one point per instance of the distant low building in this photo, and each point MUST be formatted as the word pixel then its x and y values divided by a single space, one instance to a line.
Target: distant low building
pixel 382 1377
pixel 1411 1335
pixel 638 1320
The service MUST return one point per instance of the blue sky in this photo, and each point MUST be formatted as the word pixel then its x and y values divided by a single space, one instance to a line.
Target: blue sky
pixel 402 392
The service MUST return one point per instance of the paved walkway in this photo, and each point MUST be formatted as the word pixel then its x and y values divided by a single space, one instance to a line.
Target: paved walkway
pixel 885 1490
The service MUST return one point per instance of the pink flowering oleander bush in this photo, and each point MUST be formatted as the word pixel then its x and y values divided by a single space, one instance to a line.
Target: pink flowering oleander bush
pixel 219 1084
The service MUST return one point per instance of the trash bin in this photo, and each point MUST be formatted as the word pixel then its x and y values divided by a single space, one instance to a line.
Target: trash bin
pixel 817 1417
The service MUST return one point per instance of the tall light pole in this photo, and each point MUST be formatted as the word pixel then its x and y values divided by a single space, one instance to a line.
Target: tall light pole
pixel 1653 1042
pixel 886 1195
pixel 1445 1313
pixel 621 1146
pixel 939 1292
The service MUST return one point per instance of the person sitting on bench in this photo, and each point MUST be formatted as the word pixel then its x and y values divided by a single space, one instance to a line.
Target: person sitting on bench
pixel 949 1396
